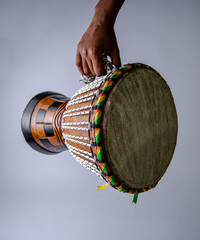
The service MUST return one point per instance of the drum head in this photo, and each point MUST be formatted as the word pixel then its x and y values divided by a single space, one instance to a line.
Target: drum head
pixel 139 128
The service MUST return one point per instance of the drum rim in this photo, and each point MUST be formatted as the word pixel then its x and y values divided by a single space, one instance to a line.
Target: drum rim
pixel 101 156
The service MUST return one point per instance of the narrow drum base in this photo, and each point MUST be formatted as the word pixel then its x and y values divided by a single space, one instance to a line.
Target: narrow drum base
pixel 41 122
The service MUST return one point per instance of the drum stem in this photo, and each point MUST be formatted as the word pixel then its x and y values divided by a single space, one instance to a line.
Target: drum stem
pixel 41 122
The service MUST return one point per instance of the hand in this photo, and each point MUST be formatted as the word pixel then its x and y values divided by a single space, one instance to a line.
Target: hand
pixel 98 41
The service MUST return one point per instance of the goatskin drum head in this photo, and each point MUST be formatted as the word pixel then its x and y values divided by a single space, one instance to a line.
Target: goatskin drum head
pixel 139 128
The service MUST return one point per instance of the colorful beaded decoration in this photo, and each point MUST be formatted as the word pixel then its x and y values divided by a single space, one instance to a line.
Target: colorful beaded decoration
pixel 97 131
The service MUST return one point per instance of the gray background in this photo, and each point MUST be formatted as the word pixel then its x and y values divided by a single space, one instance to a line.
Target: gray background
pixel 53 197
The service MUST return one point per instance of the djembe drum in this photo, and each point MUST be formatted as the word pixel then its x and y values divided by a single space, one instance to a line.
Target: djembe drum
pixel 122 126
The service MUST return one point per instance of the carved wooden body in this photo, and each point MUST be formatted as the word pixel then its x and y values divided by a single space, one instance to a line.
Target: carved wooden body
pixel 138 128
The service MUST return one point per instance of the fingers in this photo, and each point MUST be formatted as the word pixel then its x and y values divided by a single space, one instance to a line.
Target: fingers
pixel 79 63
pixel 98 64
pixel 116 58
pixel 90 66
pixel 89 60
pixel 86 69
pixel 94 65
pixel 90 63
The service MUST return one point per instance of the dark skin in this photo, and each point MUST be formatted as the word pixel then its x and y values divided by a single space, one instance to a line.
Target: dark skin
pixel 99 40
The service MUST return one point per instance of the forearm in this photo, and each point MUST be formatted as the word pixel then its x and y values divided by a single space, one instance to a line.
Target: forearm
pixel 106 11
pixel 99 39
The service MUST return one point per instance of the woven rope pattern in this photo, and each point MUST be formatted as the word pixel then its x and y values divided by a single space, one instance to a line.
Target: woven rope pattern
pixel 84 158
pixel 81 155
pixel 98 133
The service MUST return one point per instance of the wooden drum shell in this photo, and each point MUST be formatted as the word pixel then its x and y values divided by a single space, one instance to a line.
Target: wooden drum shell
pixel 80 114
pixel 81 143
pixel 122 126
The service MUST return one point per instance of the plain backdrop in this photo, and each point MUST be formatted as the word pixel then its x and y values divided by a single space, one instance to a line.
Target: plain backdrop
pixel 54 198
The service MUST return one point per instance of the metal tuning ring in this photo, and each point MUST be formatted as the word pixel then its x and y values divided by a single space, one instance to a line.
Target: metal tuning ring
pixel 86 79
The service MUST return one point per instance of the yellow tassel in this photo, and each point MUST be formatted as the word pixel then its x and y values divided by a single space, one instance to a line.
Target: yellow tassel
pixel 102 187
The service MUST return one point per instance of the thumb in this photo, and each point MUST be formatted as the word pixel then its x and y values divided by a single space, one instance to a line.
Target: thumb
pixel 116 58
